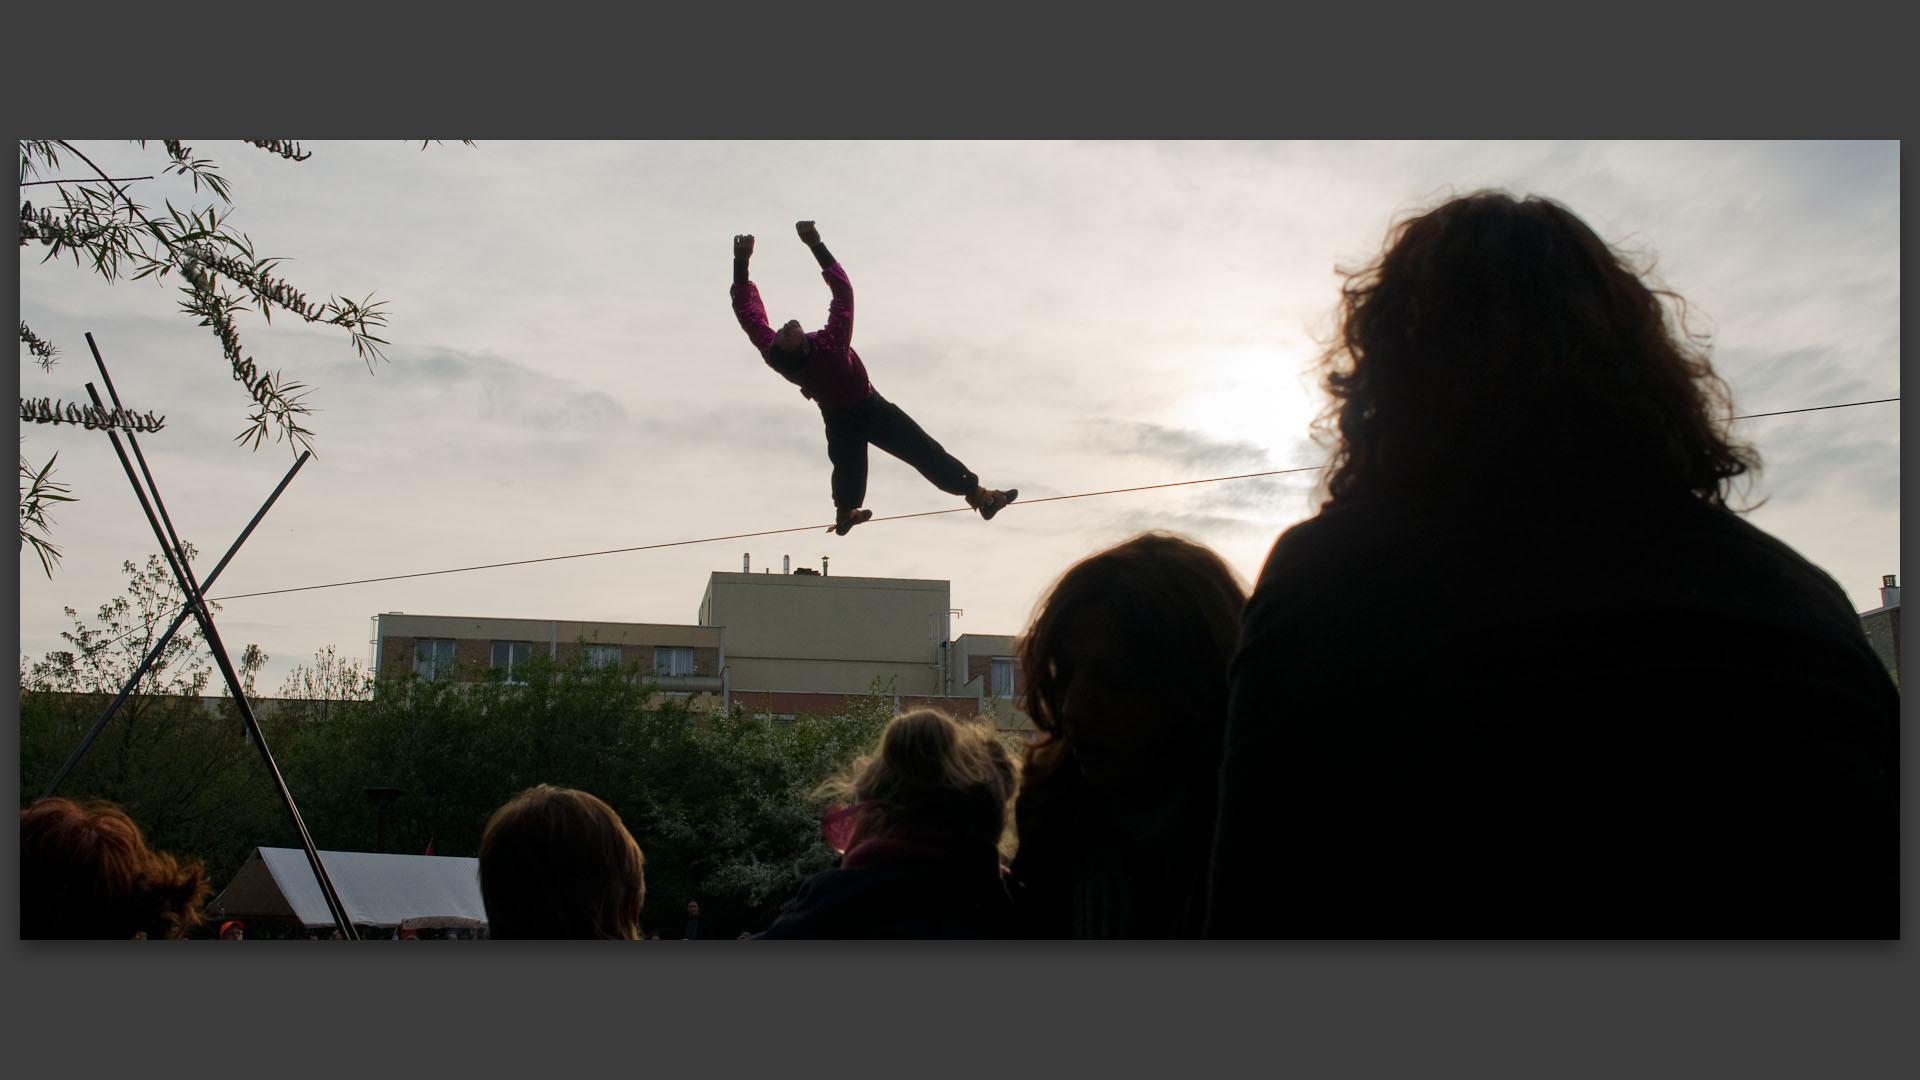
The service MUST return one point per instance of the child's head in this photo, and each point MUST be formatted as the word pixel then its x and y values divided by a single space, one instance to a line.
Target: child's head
pixel 86 872
pixel 931 777
pixel 789 347
pixel 1126 662
pixel 559 863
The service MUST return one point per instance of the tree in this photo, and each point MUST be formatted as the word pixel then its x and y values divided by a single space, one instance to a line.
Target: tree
pixel 179 763
pixel 722 804
pixel 90 217
pixel 332 684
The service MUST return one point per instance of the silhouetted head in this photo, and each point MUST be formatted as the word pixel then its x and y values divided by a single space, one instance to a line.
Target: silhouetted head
pixel 1126 660
pixel 86 872
pixel 789 347
pixel 1499 345
pixel 932 778
pixel 559 863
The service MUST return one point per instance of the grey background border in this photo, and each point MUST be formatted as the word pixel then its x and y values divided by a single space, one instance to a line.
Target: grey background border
pixel 1186 71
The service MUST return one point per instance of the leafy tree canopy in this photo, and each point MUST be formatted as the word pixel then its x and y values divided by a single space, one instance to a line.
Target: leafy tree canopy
pixel 73 209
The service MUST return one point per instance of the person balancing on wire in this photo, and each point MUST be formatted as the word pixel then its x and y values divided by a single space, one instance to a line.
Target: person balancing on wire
pixel 829 373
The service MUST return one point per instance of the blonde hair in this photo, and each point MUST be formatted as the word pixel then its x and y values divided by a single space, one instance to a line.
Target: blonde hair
pixel 931 773
pixel 559 863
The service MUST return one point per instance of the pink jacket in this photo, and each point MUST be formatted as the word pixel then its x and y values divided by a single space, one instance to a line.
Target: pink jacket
pixel 832 376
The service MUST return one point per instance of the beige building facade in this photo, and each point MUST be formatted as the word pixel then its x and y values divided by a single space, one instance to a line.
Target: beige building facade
pixel 796 639
pixel 684 660
pixel 779 645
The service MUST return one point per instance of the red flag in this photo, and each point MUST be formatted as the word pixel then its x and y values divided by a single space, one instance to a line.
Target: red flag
pixel 429 845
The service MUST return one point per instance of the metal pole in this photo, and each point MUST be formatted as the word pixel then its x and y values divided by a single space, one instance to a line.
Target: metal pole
pixel 186 610
pixel 197 604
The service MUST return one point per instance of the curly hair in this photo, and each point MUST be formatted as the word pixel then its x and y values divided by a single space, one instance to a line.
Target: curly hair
pixel 1164 600
pixel 932 774
pixel 86 872
pixel 559 863
pixel 1498 343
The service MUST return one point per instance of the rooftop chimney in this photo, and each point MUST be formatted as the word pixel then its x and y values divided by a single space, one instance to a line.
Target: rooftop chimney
pixel 746 562
pixel 823 566
pixel 786 564
pixel 1889 590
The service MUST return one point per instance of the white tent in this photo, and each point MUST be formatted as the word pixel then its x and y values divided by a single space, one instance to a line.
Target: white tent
pixel 376 890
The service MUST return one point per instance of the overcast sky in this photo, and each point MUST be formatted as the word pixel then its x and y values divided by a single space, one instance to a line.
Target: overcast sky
pixel 566 375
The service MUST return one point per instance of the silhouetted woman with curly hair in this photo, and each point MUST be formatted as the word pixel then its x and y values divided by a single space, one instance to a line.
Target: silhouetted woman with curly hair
pixel 1126 679
pixel 1526 674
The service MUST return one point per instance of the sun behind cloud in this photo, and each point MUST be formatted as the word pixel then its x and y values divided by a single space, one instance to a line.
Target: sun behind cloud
pixel 1257 392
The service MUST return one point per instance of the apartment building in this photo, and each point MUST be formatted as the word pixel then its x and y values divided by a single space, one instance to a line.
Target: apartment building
pixel 684 660
pixel 779 644
pixel 803 641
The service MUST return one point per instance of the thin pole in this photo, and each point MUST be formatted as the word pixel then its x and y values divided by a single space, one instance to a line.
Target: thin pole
pixel 197 604
pixel 159 646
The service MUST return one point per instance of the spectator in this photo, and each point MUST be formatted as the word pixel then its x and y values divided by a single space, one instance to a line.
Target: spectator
pixel 921 823
pixel 86 872
pixel 1126 678
pixel 1526 674
pixel 559 863
pixel 233 930
pixel 697 927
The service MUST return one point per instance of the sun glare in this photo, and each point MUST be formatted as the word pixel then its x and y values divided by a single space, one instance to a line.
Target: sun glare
pixel 1257 393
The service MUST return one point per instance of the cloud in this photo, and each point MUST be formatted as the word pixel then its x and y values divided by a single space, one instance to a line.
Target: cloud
pixel 1192 450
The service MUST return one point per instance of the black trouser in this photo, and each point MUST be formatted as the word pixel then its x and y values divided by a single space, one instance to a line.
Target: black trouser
pixel 882 423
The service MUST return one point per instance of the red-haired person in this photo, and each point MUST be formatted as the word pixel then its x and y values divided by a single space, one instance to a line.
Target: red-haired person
pixel 86 872
pixel 559 863
pixel 921 822
pixel 829 373
pixel 1125 663
pixel 1526 673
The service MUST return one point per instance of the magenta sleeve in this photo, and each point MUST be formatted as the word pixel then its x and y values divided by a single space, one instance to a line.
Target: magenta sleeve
pixel 839 326
pixel 752 315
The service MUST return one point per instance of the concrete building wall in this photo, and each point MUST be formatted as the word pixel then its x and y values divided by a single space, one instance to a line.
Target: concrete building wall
pixel 830 676
pixel 826 618
pixel 397 635
pixel 814 633
pixel 972 674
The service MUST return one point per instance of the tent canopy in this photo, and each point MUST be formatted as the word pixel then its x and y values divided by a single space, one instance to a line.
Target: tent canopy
pixel 375 889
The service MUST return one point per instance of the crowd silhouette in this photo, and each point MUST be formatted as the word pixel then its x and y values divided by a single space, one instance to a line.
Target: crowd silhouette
pixel 1527 673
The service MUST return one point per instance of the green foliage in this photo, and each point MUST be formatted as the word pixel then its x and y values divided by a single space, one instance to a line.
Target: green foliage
pixel 38 494
pixel 184 769
pixel 721 804
pixel 724 805
pixel 90 217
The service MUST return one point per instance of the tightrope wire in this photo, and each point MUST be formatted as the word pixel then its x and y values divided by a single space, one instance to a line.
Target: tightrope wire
pixel 890 517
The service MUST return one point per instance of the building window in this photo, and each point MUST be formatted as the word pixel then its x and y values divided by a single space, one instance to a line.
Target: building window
pixel 1002 676
pixel 672 660
pixel 510 656
pixel 432 657
pixel 603 656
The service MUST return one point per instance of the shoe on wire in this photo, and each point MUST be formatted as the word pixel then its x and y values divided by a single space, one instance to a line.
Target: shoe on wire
pixel 847 519
pixel 995 502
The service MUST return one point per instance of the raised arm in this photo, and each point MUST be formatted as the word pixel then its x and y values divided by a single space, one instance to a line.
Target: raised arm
pixel 742 251
pixel 839 328
pixel 811 237
pixel 746 299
